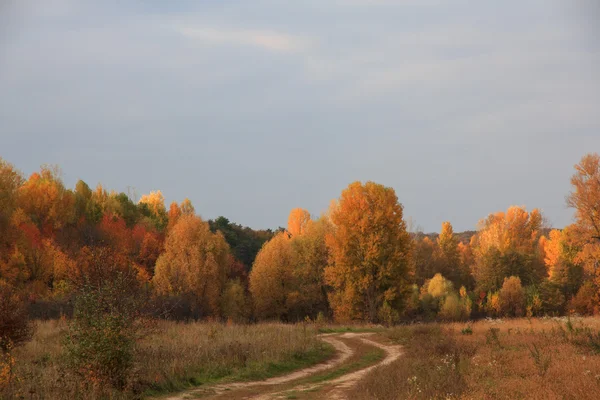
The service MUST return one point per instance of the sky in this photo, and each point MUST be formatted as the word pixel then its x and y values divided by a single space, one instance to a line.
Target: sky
pixel 252 108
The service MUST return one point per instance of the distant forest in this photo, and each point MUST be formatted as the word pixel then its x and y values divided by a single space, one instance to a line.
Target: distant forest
pixel 358 261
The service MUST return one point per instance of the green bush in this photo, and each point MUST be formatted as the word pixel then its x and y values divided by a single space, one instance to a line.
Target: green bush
pixel 101 337
pixel 452 309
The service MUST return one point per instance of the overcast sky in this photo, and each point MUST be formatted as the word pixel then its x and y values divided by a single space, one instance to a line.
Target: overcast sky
pixel 252 108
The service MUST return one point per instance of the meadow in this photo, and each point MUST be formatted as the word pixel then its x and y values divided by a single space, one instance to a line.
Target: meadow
pixel 550 358
pixel 170 357
pixel 538 358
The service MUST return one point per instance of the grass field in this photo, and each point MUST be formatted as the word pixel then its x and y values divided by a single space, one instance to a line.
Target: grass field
pixel 172 357
pixel 553 358
pixel 511 359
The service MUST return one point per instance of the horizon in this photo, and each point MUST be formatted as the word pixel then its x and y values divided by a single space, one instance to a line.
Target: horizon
pixel 251 110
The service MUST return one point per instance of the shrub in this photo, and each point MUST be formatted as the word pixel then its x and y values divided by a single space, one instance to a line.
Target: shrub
pixel 387 314
pixel 512 297
pixel 553 300
pixel 452 309
pixel 492 304
pixel 233 302
pixel 101 337
pixel 15 327
pixel 438 286
pixel 583 302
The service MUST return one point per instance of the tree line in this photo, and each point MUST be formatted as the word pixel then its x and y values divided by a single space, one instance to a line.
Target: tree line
pixel 357 261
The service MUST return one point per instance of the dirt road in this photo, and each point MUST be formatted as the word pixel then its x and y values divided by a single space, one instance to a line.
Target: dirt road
pixel 309 382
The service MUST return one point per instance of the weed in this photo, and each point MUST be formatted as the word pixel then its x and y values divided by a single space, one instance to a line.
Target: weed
pixel 492 337
pixel 542 361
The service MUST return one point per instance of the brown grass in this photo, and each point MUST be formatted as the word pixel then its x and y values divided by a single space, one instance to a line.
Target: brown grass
pixel 172 357
pixel 501 359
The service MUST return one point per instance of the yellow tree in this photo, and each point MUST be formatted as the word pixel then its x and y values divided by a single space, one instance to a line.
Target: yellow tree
pixel 298 221
pixel 507 244
pixel 271 278
pixel 585 198
pixel 425 259
pixel 308 296
pixel 155 204
pixel 46 202
pixel 450 261
pixel 173 215
pixel 560 257
pixel 194 264
pixel 369 263
pixel 186 207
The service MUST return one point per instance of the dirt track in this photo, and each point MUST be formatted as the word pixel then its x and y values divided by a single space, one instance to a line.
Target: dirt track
pixel 279 387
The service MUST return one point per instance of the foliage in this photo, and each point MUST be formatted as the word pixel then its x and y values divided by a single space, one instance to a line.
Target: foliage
pixel 512 297
pixel 369 253
pixel 15 328
pixel 507 245
pixel 270 278
pixel 583 302
pixel 438 286
pixel 298 220
pixel 101 336
pixel 244 242
pixel 234 302
pixel 194 264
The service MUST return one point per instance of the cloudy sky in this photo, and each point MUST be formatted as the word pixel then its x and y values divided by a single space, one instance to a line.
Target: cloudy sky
pixel 251 108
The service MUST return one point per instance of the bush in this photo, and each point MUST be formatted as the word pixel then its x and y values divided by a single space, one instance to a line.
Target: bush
pixel 233 302
pixel 438 286
pixel 492 304
pixel 512 297
pixel 553 300
pixel 387 314
pixel 583 302
pixel 15 327
pixel 101 337
pixel 452 309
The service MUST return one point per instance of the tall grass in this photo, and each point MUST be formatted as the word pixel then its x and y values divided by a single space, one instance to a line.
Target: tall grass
pixel 547 358
pixel 172 356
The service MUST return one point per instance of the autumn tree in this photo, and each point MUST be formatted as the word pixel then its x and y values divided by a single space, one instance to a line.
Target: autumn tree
pixel 153 207
pixel 10 183
pixel 512 297
pixel 369 247
pixel 193 265
pixel 46 201
pixel 425 259
pixel 308 296
pixel 271 278
pixel 450 263
pixel 187 208
pixel 560 253
pixel 297 221
pixel 585 198
pixel 507 245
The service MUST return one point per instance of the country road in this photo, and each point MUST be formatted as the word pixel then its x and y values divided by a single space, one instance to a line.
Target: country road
pixel 310 382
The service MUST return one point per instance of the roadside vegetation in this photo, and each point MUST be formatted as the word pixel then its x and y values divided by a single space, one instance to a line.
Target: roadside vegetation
pixel 171 357
pixel 538 358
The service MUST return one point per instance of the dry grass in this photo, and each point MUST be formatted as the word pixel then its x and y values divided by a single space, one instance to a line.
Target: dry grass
pixel 510 359
pixel 172 357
